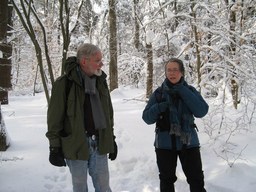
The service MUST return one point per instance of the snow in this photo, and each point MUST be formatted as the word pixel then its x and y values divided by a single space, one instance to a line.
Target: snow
pixel 24 167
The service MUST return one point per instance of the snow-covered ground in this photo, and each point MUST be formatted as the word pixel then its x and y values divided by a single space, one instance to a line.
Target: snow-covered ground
pixel 24 167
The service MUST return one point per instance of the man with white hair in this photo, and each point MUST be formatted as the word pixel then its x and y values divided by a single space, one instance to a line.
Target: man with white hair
pixel 80 121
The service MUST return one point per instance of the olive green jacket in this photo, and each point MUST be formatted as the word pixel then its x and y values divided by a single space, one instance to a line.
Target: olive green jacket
pixel 65 116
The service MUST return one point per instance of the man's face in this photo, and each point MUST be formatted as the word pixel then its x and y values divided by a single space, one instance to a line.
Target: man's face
pixel 92 65
pixel 173 72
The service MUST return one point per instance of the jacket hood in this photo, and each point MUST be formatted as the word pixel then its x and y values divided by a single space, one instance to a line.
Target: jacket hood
pixel 72 70
pixel 70 64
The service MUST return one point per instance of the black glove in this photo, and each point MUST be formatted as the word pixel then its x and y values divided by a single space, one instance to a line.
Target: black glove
pixel 56 157
pixel 163 106
pixel 112 156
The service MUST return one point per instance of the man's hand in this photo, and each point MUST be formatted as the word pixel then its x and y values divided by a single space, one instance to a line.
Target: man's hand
pixel 56 157
pixel 112 156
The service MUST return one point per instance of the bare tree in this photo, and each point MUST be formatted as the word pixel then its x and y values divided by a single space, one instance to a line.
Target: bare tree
pixel 24 14
pixel 149 55
pixel 5 51
pixel 64 24
pixel 4 143
pixel 196 42
pixel 5 67
pixel 149 49
pixel 136 24
pixel 113 46
pixel 232 49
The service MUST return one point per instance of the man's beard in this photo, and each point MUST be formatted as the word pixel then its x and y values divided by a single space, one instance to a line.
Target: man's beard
pixel 98 72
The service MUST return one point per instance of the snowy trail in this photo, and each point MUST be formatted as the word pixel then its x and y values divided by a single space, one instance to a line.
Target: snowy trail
pixel 24 167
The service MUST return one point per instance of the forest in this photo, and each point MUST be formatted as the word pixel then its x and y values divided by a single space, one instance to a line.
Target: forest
pixel 216 39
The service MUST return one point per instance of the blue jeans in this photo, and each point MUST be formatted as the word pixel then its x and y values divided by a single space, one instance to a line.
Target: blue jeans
pixel 97 165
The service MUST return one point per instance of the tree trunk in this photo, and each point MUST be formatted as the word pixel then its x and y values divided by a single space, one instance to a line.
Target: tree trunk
pixel 137 25
pixel 112 46
pixel 64 24
pixel 5 51
pixel 4 144
pixel 5 67
pixel 196 38
pixel 176 22
pixel 234 84
pixel 149 69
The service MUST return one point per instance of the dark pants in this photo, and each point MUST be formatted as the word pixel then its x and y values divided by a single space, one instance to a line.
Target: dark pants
pixel 191 164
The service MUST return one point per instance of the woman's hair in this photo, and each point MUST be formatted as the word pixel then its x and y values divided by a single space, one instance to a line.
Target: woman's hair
pixel 86 50
pixel 179 62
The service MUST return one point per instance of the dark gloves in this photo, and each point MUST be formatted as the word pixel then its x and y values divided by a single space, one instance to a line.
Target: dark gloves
pixel 163 106
pixel 112 156
pixel 56 157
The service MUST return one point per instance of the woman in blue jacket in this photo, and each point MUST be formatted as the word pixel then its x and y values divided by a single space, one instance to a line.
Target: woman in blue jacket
pixel 173 107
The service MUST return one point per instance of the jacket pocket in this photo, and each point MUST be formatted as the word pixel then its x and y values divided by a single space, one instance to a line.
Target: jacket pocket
pixel 163 140
pixel 68 147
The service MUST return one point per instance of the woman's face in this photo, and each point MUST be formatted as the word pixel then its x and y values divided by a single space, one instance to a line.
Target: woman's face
pixel 173 73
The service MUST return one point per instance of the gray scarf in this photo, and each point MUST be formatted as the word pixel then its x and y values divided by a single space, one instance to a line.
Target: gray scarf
pixel 97 111
pixel 179 126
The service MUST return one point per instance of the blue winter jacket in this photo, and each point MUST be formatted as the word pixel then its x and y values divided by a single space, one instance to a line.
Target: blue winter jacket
pixel 193 105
